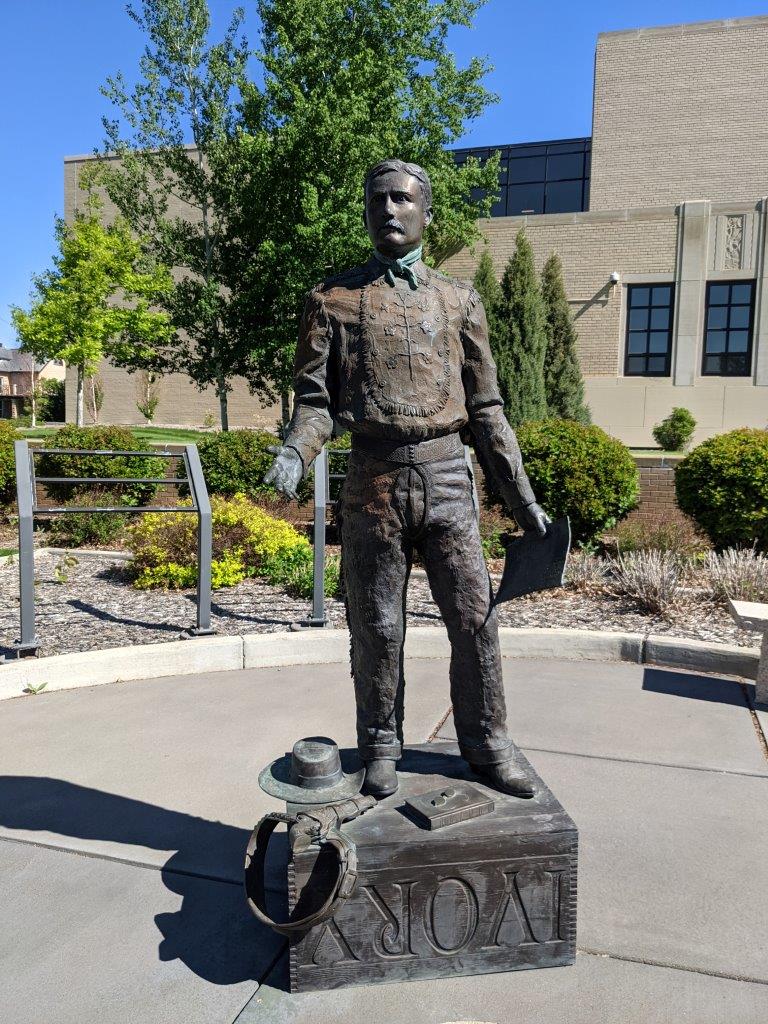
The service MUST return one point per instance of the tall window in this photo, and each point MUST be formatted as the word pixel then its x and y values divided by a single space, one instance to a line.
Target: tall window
pixel 649 330
pixel 728 333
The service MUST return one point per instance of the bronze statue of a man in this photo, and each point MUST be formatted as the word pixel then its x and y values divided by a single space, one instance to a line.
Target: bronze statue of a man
pixel 398 354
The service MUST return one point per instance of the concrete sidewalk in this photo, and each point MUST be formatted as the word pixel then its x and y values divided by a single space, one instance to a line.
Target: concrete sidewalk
pixel 125 810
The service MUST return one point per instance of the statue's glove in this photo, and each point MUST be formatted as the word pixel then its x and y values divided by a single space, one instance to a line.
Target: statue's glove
pixel 286 471
pixel 532 517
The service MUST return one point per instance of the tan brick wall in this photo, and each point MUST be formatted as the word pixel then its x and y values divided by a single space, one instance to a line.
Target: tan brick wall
pixel 680 114
pixel 181 404
pixel 591 247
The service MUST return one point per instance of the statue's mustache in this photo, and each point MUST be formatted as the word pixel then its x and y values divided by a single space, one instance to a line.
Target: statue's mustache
pixel 394 224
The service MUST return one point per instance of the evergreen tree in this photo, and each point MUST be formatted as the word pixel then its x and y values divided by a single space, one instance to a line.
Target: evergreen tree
pixel 488 288
pixel 562 373
pixel 522 342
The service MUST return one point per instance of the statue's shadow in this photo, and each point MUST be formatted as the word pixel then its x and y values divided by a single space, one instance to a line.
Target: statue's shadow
pixel 213 932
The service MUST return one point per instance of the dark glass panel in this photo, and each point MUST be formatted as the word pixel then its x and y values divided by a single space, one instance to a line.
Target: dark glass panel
pixel 525 199
pixel 661 296
pixel 636 364
pixel 524 151
pixel 637 342
pixel 527 169
pixel 657 364
pixel 499 208
pixel 712 364
pixel 563 196
pixel 638 296
pixel 638 319
pixel 718 294
pixel 741 294
pixel 717 318
pixel 737 365
pixel 560 168
pixel 740 317
pixel 715 341
pixel 660 319
pixel 576 146
pixel 658 341
pixel 738 341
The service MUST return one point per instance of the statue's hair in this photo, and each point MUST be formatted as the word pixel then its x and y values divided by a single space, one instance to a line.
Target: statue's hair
pixel 400 165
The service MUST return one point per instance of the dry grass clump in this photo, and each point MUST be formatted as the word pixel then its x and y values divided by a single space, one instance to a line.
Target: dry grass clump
pixel 586 573
pixel 737 573
pixel 656 580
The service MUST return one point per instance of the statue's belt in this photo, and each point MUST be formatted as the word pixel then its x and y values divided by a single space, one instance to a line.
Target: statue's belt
pixel 429 450
pixel 320 827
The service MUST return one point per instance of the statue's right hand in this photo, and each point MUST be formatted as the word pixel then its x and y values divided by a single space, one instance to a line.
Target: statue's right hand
pixel 286 471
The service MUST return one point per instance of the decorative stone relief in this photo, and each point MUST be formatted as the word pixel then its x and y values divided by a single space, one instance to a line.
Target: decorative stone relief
pixel 734 243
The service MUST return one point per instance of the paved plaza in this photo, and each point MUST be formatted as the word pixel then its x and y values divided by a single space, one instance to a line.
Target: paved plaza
pixel 125 810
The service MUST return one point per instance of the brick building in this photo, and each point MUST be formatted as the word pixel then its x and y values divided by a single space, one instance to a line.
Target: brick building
pixel 19 373
pixel 660 219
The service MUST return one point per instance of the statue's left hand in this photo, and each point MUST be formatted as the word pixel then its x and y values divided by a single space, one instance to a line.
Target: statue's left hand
pixel 532 517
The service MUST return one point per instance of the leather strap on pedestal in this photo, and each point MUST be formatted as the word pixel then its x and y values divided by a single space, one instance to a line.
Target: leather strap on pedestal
pixel 343 886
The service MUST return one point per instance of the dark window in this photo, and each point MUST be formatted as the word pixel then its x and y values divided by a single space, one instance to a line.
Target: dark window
pixel 563 196
pixel 728 328
pixel 549 177
pixel 530 168
pixel 649 330
pixel 525 199
pixel 565 166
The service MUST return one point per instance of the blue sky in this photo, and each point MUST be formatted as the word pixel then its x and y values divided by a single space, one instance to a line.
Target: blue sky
pixel 54 55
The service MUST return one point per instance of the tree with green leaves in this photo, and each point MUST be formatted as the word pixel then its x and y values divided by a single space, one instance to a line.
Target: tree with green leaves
pixel 268 199
pixel 522 338
pixel 348 83
pixel 176 180
pixel 562 374
pixel 487 286
pixel 98 299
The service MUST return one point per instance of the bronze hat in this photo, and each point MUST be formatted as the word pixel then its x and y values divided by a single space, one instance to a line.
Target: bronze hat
pixel 311 774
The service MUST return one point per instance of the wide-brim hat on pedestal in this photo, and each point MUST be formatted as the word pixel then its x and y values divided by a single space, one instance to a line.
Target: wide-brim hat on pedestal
pixel 313 773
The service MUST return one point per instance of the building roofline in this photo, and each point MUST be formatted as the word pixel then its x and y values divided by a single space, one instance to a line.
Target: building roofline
pixel 512 145
pixel 688 28
pixel 83 157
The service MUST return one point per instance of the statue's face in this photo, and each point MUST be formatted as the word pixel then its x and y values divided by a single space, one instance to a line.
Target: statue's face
pixel 395 214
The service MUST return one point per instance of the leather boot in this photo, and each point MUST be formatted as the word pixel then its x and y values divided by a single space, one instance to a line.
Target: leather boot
pixel 507 778
pixel 380 778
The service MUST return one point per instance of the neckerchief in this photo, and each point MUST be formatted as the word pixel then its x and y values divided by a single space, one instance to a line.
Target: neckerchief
pixel 401 267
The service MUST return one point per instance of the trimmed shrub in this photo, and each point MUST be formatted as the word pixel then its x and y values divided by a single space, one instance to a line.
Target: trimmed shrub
pixel 723 486
pixel 579 471
pixel 7 465
pixel 675 431
pixel 101 438
pixel 235 462
pixel 681 538
pixel 247 542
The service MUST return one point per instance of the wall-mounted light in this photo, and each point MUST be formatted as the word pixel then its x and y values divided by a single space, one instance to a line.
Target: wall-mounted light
pixel 615 278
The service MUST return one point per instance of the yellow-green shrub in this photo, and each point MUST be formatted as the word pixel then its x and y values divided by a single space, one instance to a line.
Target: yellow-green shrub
pixel 246 542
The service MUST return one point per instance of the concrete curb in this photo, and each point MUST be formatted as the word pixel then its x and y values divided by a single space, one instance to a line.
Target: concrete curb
pixel 84 553
pixel 322 646
pixel 148 661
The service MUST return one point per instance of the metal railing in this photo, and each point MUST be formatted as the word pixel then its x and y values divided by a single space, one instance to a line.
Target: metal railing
pixel 26 492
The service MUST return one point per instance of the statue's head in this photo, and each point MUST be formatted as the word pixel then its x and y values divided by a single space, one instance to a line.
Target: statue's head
pixel 398 206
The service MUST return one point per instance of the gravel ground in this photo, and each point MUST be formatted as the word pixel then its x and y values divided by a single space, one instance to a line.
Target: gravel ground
pixel 90 605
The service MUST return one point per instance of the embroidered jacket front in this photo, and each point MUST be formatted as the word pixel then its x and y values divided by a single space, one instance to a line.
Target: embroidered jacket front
pixel 403 365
